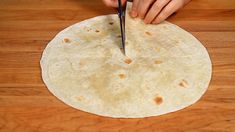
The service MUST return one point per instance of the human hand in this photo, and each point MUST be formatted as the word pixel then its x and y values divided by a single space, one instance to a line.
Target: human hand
pixel 155 11
pixel 151 11
pixel 113 3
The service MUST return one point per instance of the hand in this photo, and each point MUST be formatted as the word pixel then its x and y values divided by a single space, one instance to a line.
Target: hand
pixel 152 11
pixel 113 3
pixel 155 11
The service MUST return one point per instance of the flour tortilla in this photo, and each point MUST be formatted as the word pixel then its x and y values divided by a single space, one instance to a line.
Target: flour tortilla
pixel 166 69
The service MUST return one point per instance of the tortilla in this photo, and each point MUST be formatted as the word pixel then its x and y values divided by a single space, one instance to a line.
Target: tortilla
pixel 165 68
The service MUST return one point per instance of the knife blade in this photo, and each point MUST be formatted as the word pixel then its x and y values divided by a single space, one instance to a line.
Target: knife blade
pixel 121 14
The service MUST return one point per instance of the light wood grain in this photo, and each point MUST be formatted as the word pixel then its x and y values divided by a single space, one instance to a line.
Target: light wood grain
pixel 26 26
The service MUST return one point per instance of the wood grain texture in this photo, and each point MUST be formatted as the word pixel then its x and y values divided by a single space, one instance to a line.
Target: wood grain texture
pixel 26 26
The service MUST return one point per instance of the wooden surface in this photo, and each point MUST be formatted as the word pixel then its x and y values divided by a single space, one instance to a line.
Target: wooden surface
pixel 26 26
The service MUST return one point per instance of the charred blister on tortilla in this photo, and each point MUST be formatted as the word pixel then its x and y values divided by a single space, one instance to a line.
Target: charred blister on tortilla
pixel 66 40
pixel 164 27
pixel 119 36
pixel 122 76
pixel 148 33
pixel 88 29
pixel 158 100
pixel 82 63
pixel 177 41
pixel 97 31
pixel 158 62
pixel 110 23
pixel 128 61
pixel 183 83
pixel 121 48
pixel 79 98
pixel 158 49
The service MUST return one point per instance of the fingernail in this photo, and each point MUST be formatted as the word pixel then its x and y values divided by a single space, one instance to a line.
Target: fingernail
pixel 134 14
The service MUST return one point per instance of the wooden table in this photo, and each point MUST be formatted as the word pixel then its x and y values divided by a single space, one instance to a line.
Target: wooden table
pixel 26 26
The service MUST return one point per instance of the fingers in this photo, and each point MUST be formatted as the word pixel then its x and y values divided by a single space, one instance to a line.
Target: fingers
pixel 110 3
pixel 143 7
pixel 186 2
pixel 134 8
pixel 169 9
pixel 154 10
pixel 113 3
pixel 123 2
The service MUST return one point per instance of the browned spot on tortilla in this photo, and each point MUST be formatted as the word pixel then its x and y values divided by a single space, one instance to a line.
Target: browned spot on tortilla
pixel 88 30
pixel 119 36
pixel 79 98
pixel 158 100
pixel 176 42
pixel 97 31
pixel 157 62
pixel 82 63
pixel 122 76
pixel 183 83
pixel 66 40
pixel 157 49
pixel 128 61
pixel 110 23
pixel 148 33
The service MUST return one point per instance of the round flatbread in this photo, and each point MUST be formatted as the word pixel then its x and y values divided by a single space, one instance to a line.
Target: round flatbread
pixel 165 68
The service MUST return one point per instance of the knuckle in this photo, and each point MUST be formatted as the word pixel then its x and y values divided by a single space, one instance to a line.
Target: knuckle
pixel 165 12
pixel 181 3
pixel 160 17
pixel 156 7
pixel 144 1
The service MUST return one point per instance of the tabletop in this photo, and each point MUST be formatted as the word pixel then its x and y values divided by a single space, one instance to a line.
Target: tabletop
pixel 26 27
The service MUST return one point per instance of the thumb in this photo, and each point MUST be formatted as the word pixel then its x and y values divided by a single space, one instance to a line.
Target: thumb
pixel 134 8
pixel 123 2
pixel 113 3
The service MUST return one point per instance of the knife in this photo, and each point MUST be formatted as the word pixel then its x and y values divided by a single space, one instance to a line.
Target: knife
pixel 121 14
